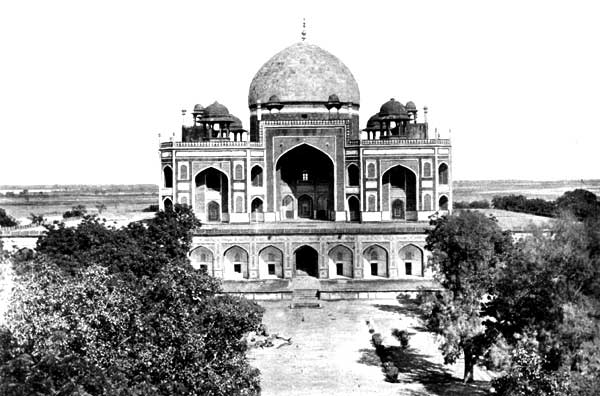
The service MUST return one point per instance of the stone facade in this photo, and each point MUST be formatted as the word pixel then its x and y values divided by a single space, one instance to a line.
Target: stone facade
pixel 304 188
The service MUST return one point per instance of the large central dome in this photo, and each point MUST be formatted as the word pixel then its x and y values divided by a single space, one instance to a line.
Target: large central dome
pixel 303 73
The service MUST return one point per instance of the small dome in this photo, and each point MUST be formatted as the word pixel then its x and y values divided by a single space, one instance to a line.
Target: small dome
pixel 216 110
pixel 374 123
pixel 303 73
pixel 410 106
pixel 198 108
pixel 333 98
pixel 392 108
pixel 236 125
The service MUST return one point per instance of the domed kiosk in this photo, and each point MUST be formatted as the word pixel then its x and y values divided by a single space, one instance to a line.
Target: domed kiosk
pixel 303 188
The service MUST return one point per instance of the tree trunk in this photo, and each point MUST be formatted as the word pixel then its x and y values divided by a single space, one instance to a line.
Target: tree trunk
pixel 469 366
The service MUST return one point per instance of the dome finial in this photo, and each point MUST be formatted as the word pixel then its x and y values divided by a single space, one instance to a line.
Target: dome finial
pixel 303 29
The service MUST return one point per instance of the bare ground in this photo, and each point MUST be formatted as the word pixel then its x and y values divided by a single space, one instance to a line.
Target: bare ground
pixel 331 353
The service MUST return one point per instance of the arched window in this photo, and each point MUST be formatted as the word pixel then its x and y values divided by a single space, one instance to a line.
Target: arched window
pixel 257 176
pixel 168 176
pixel 214 211
pixel 239 172
pixel 427 169
pixel 372 203
pixel 168 204
pixel 371 170
pixel 398 209
pixel 354 208
pixel 353 176
pixel 288 207
pixel 183 200
pixel 183 172
pixel 305 207
pixel 427 202
pixel 257 205
pixel 443 174
pixel 239 204
pixel 443 202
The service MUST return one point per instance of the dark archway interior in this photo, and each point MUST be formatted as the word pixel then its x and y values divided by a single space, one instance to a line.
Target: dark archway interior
pixel 212 187
pixel 308 173
pixel 307 260
pixel 354 208
pixel 402 185
pixel 168 174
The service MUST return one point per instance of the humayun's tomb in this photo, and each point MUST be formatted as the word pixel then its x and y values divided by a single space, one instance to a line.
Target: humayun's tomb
pixel 302 189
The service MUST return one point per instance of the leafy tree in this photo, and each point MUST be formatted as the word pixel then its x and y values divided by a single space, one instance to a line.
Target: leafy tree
pixel 548 291
pixel 106 311
pixel 467 249
pixel 76 211
pixel 37 219
pixel 6 220
pixel 580 203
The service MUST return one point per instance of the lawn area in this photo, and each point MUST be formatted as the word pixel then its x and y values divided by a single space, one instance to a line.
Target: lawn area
pixel 331 353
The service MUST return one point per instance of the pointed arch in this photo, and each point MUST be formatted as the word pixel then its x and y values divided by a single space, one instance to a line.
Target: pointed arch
pixel 443 202
pixel 306 259
pixel 270 262
pixel 236 263
pixel 353 175
pixel 168 176
pixel 202 258
pixel 167 204
pixel 376 261
pixel 411 259
pixel 256 175
pixel 341 262
pixel 443 173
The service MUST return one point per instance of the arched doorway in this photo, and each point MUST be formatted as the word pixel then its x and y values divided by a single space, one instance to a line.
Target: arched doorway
pixel 257 210
pixel 398 209
pixel 305 207
pixel 399 193
pixel 307 260
pixel 168 204
pixel 270 263
pixel 375 259
pixel 354 208
pixel 340 262
pixel 411 260
pixel 443 202
pixel 211 195
pixel 306 174
pixel 236 263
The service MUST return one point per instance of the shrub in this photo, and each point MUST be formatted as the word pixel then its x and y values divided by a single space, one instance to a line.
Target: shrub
pixel 151 208
pixel 76 211
pixel 390 371
pixel 402 336
pixel 6 220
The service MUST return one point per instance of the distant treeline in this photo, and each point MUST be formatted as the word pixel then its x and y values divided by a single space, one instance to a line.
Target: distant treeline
pixel 580 203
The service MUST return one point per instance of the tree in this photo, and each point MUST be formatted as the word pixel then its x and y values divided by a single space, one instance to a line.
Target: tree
pixel 467 249
pixel 37 219
pixel 548 292
pixel 580 203
pixel 107 311
pixel 6 220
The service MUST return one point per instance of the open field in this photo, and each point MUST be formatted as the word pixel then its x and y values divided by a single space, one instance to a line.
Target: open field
pixel 473 190
pixel 331 353
pixel 54 200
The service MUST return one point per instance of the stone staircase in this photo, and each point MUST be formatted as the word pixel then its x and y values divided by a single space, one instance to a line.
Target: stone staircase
pixel 305 291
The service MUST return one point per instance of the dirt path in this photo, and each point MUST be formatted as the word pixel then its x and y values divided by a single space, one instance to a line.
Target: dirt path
pixel 331 353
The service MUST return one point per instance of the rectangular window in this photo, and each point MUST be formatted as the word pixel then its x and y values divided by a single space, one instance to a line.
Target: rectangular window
pixel 340 269
pixel 237 268
pixel 374 269
pixel 408 268
pixel 271 269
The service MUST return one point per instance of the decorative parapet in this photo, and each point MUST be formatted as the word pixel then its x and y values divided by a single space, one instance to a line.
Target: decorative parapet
pixel 400 142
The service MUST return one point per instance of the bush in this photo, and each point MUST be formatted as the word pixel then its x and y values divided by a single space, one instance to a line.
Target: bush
pixel 76 211
pixel 402 336
pixel 151 208
pixel 390 371
pixel 6 220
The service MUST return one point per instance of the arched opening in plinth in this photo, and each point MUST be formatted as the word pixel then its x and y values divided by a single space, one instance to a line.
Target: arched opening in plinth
pixel 236 263
pixel 340 262
pixel 306 260
pixel 306 174
pixel 202 259
pixel 411 261
pixel 270 263
pixel 375 260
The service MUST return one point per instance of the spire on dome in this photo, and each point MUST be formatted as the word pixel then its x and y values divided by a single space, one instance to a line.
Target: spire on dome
pixel 303 34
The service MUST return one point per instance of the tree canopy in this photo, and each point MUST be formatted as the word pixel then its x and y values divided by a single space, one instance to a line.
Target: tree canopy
pixel 107 311
pixel 6 220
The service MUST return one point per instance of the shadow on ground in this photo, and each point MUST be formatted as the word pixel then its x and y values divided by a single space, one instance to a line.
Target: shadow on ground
pixel 415 367
pixel 406 306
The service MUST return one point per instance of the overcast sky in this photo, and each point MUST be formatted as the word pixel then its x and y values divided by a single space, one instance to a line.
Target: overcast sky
pixel 86 87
